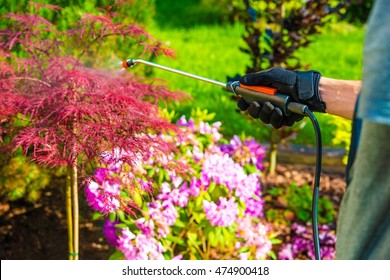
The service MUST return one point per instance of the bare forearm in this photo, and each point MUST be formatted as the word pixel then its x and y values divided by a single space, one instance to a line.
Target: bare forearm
pixel 340 96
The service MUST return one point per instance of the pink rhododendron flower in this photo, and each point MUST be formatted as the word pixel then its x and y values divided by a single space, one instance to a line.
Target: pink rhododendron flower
pixel 223 213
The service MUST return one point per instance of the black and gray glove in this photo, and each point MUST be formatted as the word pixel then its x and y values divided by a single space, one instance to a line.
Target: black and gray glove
pixel 302 86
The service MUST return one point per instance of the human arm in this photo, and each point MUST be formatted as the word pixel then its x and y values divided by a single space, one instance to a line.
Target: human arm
pixel 320 94
pixel 339 96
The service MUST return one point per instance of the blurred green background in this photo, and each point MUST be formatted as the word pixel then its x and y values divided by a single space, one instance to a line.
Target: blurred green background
pixel 207 42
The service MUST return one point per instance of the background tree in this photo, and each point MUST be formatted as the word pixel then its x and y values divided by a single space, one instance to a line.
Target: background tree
pixel 70 114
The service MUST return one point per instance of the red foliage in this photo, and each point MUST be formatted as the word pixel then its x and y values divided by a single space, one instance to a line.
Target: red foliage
pixel 74 112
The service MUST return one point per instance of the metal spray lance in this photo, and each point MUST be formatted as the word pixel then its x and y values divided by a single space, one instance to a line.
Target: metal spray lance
pixel 248 93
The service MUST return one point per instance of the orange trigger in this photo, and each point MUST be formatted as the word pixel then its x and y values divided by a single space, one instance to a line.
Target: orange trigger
pixel 266 90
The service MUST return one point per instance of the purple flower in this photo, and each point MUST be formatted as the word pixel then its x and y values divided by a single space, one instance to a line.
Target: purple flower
pixel 213 130
pixel 223 213
pixel 140 247
pixel 257 152
pixel 249 152
pixel 163 215
pixel 286 253
pixel 176 196
pixel 254 236
pixel 146 226
pixel 254 207
pixel 113 159
pixel 214 167
pixel 233 145
pixel 169 212
pixel 302 245
pixel 248 186
pixel 101 174
pixel 145 185
pixel 109 230
pixel 103 197
pixel 183 122
pixel 223 170
pixel 195 186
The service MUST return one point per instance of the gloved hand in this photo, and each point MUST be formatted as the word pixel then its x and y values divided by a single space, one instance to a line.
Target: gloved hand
pixel 302 86
pixel 268 113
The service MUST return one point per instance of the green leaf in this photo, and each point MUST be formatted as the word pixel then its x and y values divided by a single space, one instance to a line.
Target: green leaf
pixel 175 239
pixel 203 224
pixel 199 203
pixel 211 187
pixel 137 198
pixel 273 255
pixel 112 217
pixel 180 224
pixel 122 226
pixel 117 255
pixel 275 241
pixel 243 249
pixel 121 215
pixel 212 239
pixel 151 172
pixel 206 196
pixel 198 216
pixel 160 178
pixel 97 216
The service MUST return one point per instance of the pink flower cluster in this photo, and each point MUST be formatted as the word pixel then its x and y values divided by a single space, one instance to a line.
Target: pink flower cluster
pixel 302 245
pixel 201 128
pixel 247 152
pixel 224 213
pixel 254 236
pixel 221 169
pixel 240 204
pixel 103 195
pixel 140 246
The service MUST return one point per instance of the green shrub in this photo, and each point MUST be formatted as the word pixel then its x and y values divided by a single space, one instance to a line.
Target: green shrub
pixel 21 178
pixel 296 205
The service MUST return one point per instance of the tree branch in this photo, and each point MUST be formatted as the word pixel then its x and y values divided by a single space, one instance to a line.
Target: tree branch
pixel 34 80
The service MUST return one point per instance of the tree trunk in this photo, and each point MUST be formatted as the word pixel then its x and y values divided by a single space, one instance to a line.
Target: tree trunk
pixel 72 212
pixel 69 210
pixel 75 200
pixel 273 152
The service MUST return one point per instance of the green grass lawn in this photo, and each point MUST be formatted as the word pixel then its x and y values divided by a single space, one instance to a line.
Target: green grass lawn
pixel 213 51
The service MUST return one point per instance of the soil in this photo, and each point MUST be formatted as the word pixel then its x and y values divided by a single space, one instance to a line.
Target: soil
pixel 38 231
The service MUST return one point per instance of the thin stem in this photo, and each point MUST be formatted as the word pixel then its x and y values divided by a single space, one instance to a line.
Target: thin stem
pixel 33 79
pixel 204 245
pixel 197 248
pixel 75 200
pixel 272 158
pixel 208 249
pixel 69 213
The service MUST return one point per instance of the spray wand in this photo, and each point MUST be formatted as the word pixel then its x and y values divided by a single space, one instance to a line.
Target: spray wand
pixel 249 93
pixel 284 102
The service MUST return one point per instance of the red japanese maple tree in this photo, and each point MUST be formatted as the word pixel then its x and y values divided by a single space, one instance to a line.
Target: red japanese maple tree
pixel 73 113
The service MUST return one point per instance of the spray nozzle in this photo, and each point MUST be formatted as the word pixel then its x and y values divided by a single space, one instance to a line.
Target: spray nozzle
pixel 128 63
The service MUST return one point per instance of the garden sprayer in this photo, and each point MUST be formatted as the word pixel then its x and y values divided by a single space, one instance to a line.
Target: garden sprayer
pixel 284 102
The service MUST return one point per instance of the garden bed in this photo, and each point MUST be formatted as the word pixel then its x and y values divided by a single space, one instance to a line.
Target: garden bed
pixel 38 231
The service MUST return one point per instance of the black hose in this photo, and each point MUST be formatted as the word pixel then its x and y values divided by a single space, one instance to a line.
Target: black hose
pixel 316 187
